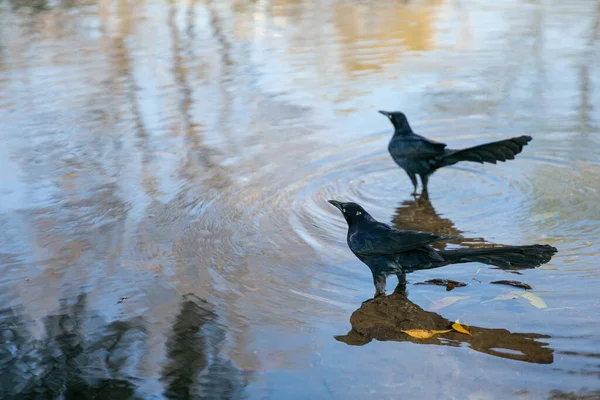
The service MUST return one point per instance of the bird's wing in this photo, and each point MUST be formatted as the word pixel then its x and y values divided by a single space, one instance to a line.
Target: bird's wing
pixel 416 146
pixel 382 240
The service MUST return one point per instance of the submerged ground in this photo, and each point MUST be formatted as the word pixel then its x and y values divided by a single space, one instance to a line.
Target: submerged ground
pixel 164 230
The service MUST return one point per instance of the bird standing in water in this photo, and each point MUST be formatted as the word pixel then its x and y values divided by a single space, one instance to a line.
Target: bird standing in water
pixel 418 155
pixel 388 251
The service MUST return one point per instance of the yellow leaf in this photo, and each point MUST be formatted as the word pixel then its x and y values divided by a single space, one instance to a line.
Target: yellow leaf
pixel 423 333
pixel 461 328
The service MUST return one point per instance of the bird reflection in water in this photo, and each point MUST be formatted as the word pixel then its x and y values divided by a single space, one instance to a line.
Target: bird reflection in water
pixel 384 318
pixel 419 214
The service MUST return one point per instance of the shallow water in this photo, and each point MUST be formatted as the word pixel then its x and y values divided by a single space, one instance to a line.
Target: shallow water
pixel 164 230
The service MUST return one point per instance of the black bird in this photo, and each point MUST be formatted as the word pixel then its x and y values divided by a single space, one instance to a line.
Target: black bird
pixel 388 251
pixel 418 155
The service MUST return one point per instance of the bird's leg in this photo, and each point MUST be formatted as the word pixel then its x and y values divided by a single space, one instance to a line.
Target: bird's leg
pixel 424 197
pixel 401 287
pixel 379 281
pixel 424 181
pixel 413 179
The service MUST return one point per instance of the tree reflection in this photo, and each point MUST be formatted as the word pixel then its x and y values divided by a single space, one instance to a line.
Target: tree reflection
pixel 33 5
pixel 195 368
pixel 80 356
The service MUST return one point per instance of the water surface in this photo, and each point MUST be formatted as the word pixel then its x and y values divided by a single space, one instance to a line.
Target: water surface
pixel 164 230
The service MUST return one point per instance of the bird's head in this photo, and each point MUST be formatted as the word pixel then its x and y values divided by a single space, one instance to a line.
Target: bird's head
pixel 398 119
pixel 352 212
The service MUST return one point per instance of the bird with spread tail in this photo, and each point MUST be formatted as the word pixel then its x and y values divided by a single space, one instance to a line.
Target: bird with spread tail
pixel 388 251
pixel 418 155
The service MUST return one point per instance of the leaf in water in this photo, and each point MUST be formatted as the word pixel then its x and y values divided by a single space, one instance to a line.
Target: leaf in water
pixel 423 333
pixel 515 272
pixel 461 328
pixel 507 296
pixel 445 302
pixel 513 283
pixel 534 300
pixel 442 282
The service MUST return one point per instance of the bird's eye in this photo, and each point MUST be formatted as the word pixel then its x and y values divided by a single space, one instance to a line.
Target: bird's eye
pixel 389 116
pixel 343 210
pixel 358 213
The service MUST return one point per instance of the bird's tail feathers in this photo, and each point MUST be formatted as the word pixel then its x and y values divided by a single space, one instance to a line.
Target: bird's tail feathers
pixel 501 150
pixel 504 257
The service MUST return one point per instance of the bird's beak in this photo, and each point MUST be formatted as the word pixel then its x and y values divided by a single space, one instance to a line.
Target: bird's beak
pixel 337 204
pixel 387 114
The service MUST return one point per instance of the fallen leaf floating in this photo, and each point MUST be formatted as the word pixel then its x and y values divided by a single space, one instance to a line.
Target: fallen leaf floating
pixel 515 272
pixel 461 328
pixel 445 302
pixel 442 282
pixel 513 283
pixel 423 333
pixel 532 298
